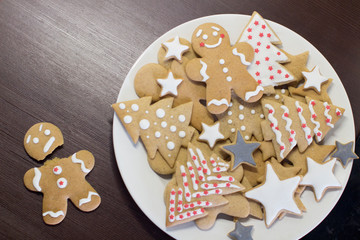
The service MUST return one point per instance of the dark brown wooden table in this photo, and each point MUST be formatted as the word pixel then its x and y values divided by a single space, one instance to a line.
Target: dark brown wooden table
pixel 64 62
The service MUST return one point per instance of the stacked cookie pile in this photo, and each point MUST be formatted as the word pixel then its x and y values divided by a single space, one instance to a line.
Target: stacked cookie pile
pixel 238 127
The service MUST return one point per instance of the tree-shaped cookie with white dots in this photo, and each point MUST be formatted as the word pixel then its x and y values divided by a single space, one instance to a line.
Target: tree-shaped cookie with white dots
pixel 160 126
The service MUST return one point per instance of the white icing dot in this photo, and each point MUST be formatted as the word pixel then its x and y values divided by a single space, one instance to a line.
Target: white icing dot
pixel 241 107
pixel 231 104
pixel 215 33
pixel 147 136
pixel 181 118
pixel 171 116
pixel 157 134
pixel 163 124
pixel 61 182
pixel 233 130
pixel 47 132
pixel 283 91
pixel 221 61
pixel 170 145
pixel 242 128
pixel 229 113
pixel 127 111
pixel 241 116
pixel 229 121
pixel 35 140
pixel 225 69
pixel 182 134
pixel 262 116
pixel 228 78
pixel 155 123
pixel 252 111
pixel 57 170
pixel 127 119
pixel 135 107
pixel 166 137
pixel 205 36
pixel 247 137
pixel 122 106
pixel 169 155
pixel 160 113
pixel 144 124
pixel 146 111
pixel 173 128
pixel 277 96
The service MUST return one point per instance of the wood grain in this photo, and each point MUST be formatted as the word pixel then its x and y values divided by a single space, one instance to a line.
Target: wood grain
pixel 65 61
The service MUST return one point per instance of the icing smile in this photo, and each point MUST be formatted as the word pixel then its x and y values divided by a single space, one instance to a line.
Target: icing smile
pixel 213 45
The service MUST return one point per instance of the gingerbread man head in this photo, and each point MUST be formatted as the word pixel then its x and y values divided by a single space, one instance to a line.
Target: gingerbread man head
pixel 42 139
pixel 61 179
pixel 209 38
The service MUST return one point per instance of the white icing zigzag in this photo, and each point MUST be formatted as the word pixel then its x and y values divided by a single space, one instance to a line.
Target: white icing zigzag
pixel 250 94
pixel 218 102
pixel 88 199
pixel 36 179
pixel 76 160
pixel 203 71
pixel 54 214
pixel 242 57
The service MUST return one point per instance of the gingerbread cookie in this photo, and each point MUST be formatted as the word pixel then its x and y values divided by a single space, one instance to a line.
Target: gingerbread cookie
pixel 299 93
pixel 42 139
pixel 222 67
pixel 344 152
pixel 297 65
pixel 266 67
pixel 61 179
pixel 314 79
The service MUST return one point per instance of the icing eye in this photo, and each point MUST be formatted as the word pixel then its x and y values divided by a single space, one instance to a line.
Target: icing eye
pixel 35 140
pixel 61 182
pixel 215 33
pixel 57 170
pixel 205 36
pixel 47 132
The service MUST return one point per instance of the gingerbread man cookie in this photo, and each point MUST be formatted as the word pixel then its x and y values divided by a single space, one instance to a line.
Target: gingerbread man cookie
pixel 42 139
pixel 222 67
pixel 61 179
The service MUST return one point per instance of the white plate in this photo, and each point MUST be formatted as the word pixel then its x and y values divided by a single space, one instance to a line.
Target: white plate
pixel 146 187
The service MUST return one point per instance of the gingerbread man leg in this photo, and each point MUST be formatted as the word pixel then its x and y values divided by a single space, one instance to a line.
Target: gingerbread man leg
pixel 249 92
pixel 214 103
pixel 54 208
pixel 87 199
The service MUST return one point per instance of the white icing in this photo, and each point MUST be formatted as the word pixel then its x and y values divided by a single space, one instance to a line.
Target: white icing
pixel 28 139
pixel 192 175
pixel 54 214
pixel 241 107
pixel 48 144
pixel 241 116
pixel 203 71
pixel 144 124
pixel 307 130
pixel 57 170
pixel 225 70
pixel 197 204
pixel 199 33
pixel 229 113
pixel 35 140
pixel 203 162
pixel 215 34
pixel 40 127
pixel 327 115
pixel 318 133
pixel 173 128
pixel 243 128
pixel 74 159
pixel 127 119
pixel 122 106
pixel 135 107
pixel 215 28
pixel 185 183
pixel 88 198
pixel 221 61
pixel 157 134
pixel 182 134
pixel 252 111
pixel 47 132
pixel 205 36
pixel 320 177
pixel 229 78
pixel 189 214
pixel 247 137
pixel 262 116
pixel 175 49
pixel 229 121
pixel 218 102
pixel 196 162
pixel 314 79
pixel 170 145
pixel 36 179
pixel 277 96
pixel 232 130
pixel 169 85
pixel 275 195
pixel 218 185
pixel 250 94
pixel 61 183
pixel 207 193
pixel 282 91
pixel 211 133
pixel 160 113
pixel 182 118
pixel 214 45
pixel 291 132
pixel 277 132
pixel 180 198
pixel 242 57
pixel 221 178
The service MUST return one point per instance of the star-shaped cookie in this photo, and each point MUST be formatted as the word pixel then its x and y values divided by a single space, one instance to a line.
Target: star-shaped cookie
pixel 169 85
pixel 175 49
pixel 344 152
pixel 241 232
pixel 314 79
pixel 211 133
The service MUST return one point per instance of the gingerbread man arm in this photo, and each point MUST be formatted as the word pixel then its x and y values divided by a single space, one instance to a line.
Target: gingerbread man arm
pixel 32 179
pixel 84 159
pixel 245 49
pixel 86 200
pixel 196 70
pixel 54 208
